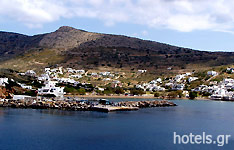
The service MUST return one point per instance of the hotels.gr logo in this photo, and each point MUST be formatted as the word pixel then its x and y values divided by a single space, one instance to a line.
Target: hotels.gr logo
pixel 220 140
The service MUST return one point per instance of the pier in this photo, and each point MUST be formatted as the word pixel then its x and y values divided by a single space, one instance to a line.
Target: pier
pixel 107 108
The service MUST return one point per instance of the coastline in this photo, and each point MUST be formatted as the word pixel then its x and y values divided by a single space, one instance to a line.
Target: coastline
pixel 88 105
pixel 124 97
pixel 136 97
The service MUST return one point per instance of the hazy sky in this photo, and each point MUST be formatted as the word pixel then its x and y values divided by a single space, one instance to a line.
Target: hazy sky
pixel 197 24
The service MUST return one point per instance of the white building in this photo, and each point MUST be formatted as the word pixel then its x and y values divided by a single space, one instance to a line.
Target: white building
pixel 50 88
pixel 94 74
pixel 190 79
pixel 150 87
pixel 231 70
pixel 66 80
pixel 178 87
pixel 219 94
pixel 60 70
pixel 170 84
pixel 54 70
pixel 169 68
pixel 106 79
pixel 185 93
pixel 159 80
pixel 153 82
pixel 179 77
pixel 47 70
pixel 104 73
pixel 101 89
pixel 142 71
pixel 76 76
pixel 212 73
pixel 228 80
pixel 24 86
pixel 80 71
pixel 30 73
pixel 44 77
pixel 3 81
pixel 21 97
pixel 188 73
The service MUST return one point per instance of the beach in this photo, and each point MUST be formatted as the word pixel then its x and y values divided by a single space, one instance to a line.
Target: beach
pixel 134 97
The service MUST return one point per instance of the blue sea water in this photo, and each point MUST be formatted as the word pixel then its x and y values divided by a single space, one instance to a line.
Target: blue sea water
pixel 146 129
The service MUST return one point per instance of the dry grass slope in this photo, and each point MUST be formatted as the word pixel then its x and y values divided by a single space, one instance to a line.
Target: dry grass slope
pixel 36 60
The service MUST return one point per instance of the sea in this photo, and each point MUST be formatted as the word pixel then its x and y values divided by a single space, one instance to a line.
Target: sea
pixel 145 129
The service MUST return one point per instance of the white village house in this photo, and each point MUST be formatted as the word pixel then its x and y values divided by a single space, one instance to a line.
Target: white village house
pixel 50 88
pixel 190 79
pixel 24 86
pixel 212 73
pixel 30 73
pixel 142 71
pixel 3 81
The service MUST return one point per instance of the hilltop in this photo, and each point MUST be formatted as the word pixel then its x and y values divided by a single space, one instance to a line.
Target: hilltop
pixel 70 47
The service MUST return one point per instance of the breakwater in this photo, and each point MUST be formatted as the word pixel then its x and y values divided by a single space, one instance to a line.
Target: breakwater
pixel 146 104
pixel 84 105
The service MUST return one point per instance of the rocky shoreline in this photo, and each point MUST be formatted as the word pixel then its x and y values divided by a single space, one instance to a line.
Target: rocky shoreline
pixel 147 103
pixel 82 105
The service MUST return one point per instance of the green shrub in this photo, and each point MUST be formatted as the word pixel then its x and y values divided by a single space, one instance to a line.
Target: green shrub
pixel 136 92
pixel 119 90
pixel 81 91
pixel 156 94
pixel 172 94
pixel 69 89
pixel 192 95
pixel 31 93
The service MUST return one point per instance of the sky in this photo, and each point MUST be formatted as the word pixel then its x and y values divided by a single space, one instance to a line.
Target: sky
pixel 197 24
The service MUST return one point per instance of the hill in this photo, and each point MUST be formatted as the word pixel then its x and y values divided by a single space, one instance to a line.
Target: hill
pixel 75 48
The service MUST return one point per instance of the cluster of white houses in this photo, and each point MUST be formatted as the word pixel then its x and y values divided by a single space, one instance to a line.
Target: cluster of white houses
pixel 52 77
pixel 176 83
pixel 151 86
pixel 222 90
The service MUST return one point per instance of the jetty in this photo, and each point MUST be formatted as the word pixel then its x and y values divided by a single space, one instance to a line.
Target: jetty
pixel 109 108
pixel 85 105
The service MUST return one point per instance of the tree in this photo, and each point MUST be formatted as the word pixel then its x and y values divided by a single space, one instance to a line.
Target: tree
pixel 119 90
pixel 49 95
pixel 206 94
pixel 156 94
pixel 70 89
pixel 180 93
pixel 81 91
pixel 108 90
pixel 192 95
pixel 172 94
pixel 11 84
pixel 137 92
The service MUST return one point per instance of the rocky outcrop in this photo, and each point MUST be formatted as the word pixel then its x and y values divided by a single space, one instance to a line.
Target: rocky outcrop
pixel 4 93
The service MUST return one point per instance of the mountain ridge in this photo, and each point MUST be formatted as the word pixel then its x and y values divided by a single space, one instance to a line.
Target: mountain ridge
pixel 77 48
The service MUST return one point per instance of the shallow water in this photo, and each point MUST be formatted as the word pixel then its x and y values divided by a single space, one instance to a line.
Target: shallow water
pixel 146 129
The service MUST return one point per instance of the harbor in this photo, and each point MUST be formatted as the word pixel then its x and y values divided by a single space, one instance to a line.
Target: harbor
pixel 102 105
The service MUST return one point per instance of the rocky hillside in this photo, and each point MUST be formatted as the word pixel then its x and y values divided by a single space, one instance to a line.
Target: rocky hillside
pixel 71 47
pixel 66 38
